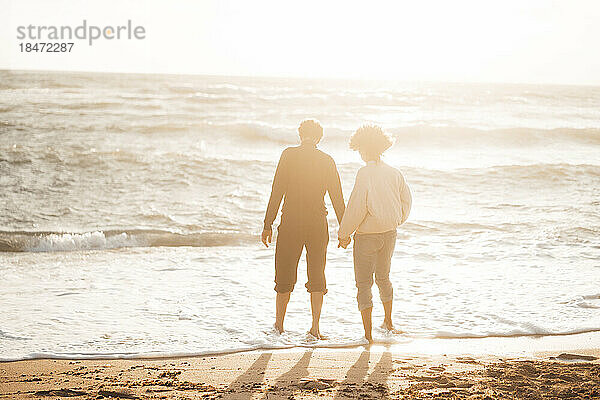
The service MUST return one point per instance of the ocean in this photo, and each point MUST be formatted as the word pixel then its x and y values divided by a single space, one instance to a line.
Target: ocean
pixel 131 208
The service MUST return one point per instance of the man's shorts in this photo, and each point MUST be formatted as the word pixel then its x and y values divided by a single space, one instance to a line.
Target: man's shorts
pixel 292 237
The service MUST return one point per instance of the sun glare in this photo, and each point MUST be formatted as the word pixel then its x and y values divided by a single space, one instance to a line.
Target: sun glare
pixel 430 40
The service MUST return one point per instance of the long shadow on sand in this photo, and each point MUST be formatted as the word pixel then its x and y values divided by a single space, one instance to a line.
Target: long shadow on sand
pixel 286 382
pixel 250 381
pixel 378 378
pixel 355 383
pixel 354 377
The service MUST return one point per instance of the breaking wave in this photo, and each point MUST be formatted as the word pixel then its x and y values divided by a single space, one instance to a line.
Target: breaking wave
pixel 113 239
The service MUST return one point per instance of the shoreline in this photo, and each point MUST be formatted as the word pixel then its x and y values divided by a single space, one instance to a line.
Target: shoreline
pixel 523 345
pixel 465 368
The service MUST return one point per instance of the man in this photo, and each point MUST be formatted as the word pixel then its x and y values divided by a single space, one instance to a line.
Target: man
pixel 379 203
pixel 303 175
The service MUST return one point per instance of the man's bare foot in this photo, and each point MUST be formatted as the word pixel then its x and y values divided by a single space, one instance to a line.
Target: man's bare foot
pixel 369 339
pixel 278 328
pixel 317 335
pixel 389 326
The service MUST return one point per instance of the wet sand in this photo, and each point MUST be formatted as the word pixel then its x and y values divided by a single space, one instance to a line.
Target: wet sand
pixel 378 373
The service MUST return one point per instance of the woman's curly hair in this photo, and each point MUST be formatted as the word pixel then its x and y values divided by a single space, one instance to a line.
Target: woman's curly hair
pixel 371 139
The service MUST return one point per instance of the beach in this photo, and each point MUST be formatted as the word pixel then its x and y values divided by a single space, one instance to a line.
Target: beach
pixel 381 372
pixel 131 264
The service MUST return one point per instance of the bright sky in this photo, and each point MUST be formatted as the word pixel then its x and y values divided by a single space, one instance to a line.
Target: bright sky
pixel 538 41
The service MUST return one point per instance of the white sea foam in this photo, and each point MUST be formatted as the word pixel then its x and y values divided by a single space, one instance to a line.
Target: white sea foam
pixel 81 241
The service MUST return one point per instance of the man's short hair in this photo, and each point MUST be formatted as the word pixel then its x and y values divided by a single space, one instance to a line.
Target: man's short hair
pixel 310 129
pixel 371 139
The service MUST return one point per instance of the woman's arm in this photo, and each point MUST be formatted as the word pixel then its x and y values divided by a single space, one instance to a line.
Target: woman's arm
pixel 406 198
pixel 356 210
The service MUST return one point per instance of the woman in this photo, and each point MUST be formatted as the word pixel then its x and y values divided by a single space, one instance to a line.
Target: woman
pixel 379 203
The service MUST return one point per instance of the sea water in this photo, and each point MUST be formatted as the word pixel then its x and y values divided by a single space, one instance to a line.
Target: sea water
pixel 131 208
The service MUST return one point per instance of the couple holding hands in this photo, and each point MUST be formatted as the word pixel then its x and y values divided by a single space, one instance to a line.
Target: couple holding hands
pixel 379 203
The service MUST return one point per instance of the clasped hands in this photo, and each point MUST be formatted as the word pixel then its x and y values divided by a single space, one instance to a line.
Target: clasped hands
pixel 343 243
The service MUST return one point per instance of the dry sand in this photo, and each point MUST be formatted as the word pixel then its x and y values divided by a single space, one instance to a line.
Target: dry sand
pixel 376 373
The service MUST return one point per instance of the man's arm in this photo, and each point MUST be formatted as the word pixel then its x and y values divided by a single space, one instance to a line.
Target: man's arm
pixel 356 210
pixel 277 192
pixel 334 187
pixel 406 198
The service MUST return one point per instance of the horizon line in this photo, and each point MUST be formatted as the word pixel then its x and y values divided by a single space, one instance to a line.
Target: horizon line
pixel 307 78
